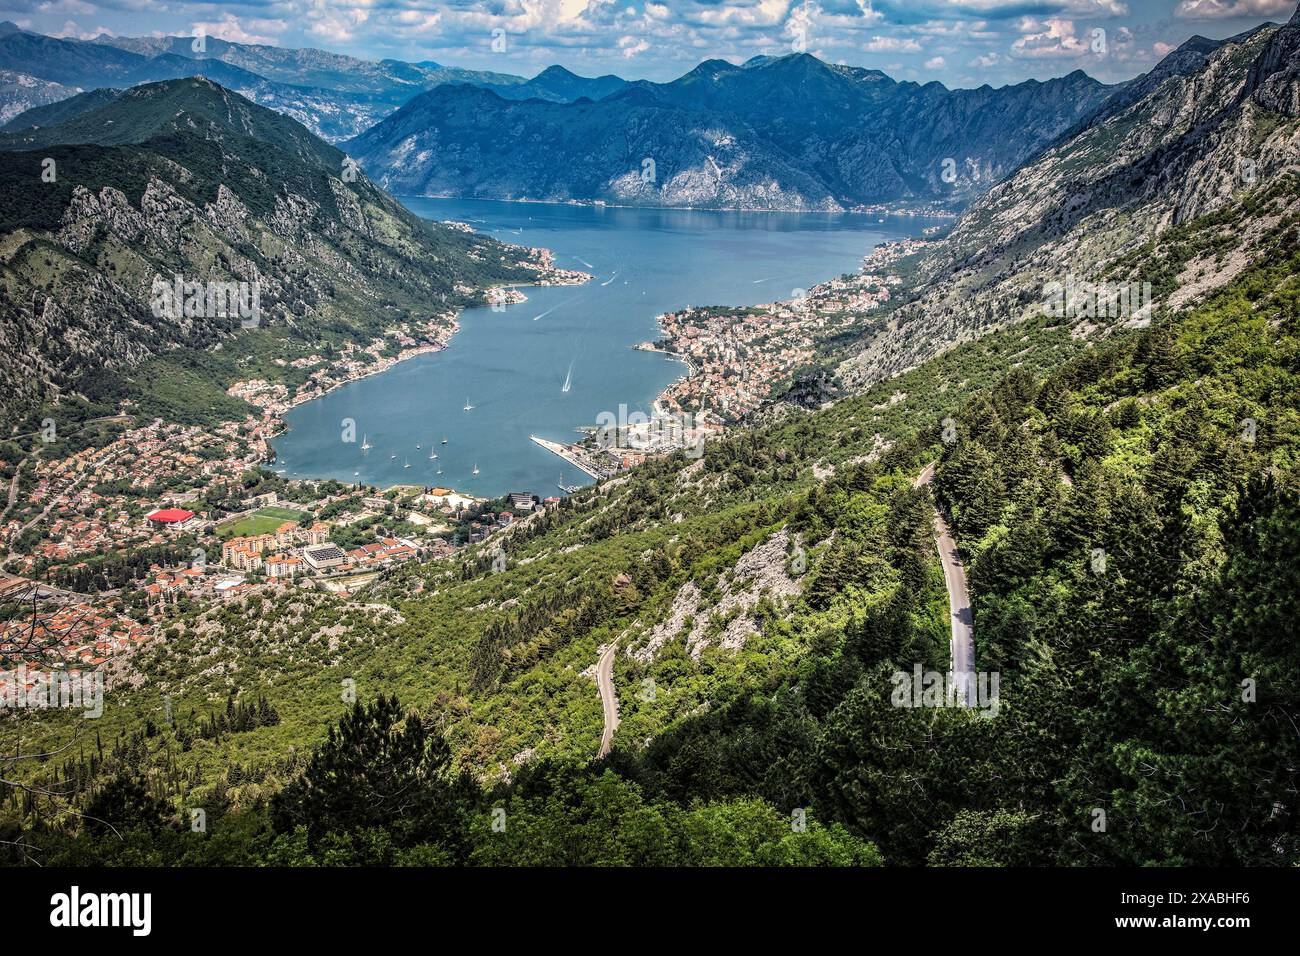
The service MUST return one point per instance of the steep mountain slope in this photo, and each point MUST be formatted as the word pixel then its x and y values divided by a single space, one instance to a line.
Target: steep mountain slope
pixel 330 114
pixel 462 140
pixel 870 137
pixel 788 133
pixel 62 109
pixel 1107 204
pixel 1128 508
pixel 335 96
pixel 184 178
pixel 20 92
pixel 767 596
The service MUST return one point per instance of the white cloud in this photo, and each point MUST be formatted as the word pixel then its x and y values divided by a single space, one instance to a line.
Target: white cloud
pixel 935 63
pixel 1222 9
pixel 631 46
pixel 880 44
pixel 334 22
pixel 1051 38
pixel 230 28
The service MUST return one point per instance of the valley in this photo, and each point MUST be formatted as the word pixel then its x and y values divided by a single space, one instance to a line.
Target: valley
pixel 1045 442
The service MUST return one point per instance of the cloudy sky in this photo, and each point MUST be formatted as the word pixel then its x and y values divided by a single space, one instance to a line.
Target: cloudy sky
pixel 958 42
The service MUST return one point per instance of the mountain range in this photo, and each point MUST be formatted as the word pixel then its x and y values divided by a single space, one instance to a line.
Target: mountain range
pixel 335 96
pixel 185 178
pixel 787 132
pixel 1209 133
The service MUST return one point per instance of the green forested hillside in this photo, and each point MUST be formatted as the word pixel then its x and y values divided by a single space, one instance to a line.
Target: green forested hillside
pixel 763 597
pixel 185 178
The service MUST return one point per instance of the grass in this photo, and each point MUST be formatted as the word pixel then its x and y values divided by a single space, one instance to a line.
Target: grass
pixel 261 521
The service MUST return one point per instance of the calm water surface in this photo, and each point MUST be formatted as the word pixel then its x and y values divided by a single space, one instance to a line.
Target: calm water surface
pixel 512 365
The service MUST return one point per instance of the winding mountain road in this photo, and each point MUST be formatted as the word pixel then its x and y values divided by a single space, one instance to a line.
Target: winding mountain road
pixel 608 699
pixel 962 642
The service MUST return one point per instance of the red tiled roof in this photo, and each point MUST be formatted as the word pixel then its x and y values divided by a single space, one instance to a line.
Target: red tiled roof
pixel 171 515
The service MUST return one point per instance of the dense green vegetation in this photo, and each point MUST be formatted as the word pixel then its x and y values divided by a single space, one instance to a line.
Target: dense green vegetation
pixel 185 178
pixel 1146 707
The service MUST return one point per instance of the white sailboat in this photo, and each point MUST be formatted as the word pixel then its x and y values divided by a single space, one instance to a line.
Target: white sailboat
pixel 444 439
pixel 408 463
pixel 468 406
pixel 365 443
pixel 476 468
pixel 568 381
pixel 432 455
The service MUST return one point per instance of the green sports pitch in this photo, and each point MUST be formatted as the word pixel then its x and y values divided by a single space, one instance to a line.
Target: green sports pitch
pixel 261 521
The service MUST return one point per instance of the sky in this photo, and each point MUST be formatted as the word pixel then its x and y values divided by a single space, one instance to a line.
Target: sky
pixel 961 43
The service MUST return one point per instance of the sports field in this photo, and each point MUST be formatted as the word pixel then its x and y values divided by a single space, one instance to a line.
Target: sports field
pixel 261 521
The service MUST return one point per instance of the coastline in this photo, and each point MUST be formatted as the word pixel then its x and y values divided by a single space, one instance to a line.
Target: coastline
pixel 274 408
pixel 661 400
pixel 602 204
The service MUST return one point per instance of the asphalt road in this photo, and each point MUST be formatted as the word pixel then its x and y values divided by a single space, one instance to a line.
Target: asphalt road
pixel 608 699
pixel 962 642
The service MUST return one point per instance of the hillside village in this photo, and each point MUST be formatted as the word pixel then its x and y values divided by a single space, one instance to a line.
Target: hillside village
pixel 738 357
pixel 110 543
pixel 140 525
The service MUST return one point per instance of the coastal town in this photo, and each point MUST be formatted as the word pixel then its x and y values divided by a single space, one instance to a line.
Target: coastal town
pixel 109 529
pixel 738 357
pixel 114 536
pixel 105 546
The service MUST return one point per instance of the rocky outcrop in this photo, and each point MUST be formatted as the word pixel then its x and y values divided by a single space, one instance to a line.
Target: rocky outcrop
pixel 1211 130
pixel 242 194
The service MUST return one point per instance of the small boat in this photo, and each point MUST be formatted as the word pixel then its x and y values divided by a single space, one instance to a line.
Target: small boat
pixel 568 382
pixel 365 443
pixel 439 471
pixel 432 455
pixel 391 457
pixel 417 446
pixel 408 463
pixel 468 406
pixel 356 474
pixel 476 468
pixel 444 441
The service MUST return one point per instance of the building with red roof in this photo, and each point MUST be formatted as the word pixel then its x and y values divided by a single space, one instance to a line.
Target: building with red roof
pixel 177 518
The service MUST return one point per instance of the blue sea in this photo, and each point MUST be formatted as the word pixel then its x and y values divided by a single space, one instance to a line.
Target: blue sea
pixel 511 365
